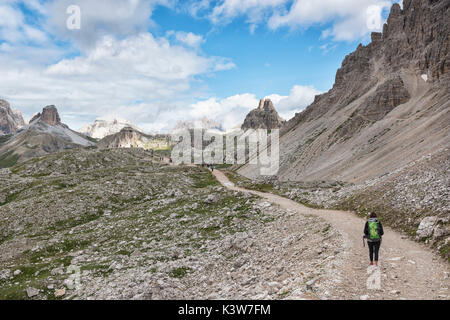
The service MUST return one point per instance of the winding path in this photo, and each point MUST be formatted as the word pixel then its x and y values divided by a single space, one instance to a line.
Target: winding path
pixel 409 270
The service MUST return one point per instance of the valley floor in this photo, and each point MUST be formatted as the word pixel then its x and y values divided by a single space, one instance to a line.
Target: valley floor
pixel 119 224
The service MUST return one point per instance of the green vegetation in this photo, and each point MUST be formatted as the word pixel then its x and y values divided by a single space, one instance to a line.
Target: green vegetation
pixel 108 205
pixel 203 179
pixel 8 159
pixel 445 251
pixel 179 272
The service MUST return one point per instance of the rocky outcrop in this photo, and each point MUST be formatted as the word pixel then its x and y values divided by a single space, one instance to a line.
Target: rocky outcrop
pixel 376 106
pixel 10 120
pixel 263 117
pixel 50 116
pixel 128 137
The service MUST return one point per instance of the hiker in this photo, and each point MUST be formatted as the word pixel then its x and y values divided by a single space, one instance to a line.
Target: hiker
pixel 212 167
pixel 373 230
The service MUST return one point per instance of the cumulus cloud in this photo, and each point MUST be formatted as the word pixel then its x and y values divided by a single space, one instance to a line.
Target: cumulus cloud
pixel 253 9
pixel 299 98
pixel 114 67
pixel 348 17
pixel 186 38
pixel 136 77
pixel 101 17
pixel 15 29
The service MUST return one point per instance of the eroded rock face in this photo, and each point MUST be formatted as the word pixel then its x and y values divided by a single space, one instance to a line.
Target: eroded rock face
pixel 10 120
pixel 50 116
pixel 128 137
pixel 263 117
pixel 386 97
pixel 415 38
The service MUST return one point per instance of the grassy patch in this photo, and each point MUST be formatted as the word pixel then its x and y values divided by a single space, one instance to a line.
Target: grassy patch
pixel 179 272
pixel 73 222
pixel 58 249
pixel 445 252
pixel 203 179
pixel 8 159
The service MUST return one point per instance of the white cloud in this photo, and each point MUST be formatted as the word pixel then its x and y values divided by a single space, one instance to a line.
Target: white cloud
pixel 231 111
pixel 348 17
pixel 187 38
pixel 138 78
pixel 299 98
pixel 254 9
pixel 102 17
pixel 14 27
pixel 139 56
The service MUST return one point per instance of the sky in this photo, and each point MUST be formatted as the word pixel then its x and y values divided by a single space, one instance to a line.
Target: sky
pixel 155 62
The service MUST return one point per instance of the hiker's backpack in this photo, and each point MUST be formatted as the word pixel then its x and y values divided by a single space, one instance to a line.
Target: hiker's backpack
pixel 374 233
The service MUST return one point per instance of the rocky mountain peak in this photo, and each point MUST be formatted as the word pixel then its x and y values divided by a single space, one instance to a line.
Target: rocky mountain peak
pixel 10 120
pixel 50 116
pixel 265 116
pixel 266 105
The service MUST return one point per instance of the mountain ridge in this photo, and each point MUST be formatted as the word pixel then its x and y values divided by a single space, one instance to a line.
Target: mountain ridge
pixel 43 135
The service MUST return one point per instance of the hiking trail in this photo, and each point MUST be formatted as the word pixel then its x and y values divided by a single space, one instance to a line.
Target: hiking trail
pixel 408 269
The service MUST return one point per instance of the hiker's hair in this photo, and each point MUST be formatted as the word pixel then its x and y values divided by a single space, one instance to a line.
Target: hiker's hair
pixel 372 215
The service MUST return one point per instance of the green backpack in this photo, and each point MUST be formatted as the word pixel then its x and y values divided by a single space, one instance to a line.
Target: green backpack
pixel 373 230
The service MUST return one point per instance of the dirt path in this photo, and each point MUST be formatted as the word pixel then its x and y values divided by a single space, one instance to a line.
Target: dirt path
pixel 407 269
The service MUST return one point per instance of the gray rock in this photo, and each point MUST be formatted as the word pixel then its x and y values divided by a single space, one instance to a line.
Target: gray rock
pixel 426 227
pixel 32 292
pixel 5 274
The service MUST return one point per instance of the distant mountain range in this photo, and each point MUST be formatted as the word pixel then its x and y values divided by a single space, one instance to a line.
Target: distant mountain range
pixel 102 127
pixel 129 137
pixel 204 123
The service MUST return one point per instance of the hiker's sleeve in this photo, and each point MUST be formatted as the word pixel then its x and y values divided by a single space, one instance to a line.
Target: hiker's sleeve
pixel 366 229
pixel 381 229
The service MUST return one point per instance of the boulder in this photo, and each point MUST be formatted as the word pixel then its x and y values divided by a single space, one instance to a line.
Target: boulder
pixel 426 227
pixel 32 292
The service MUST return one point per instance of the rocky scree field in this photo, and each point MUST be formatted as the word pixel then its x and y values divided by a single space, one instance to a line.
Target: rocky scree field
pixel 114 224
pixel 414 199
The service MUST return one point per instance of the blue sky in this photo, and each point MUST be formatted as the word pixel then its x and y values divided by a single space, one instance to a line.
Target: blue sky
pixel 155 62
